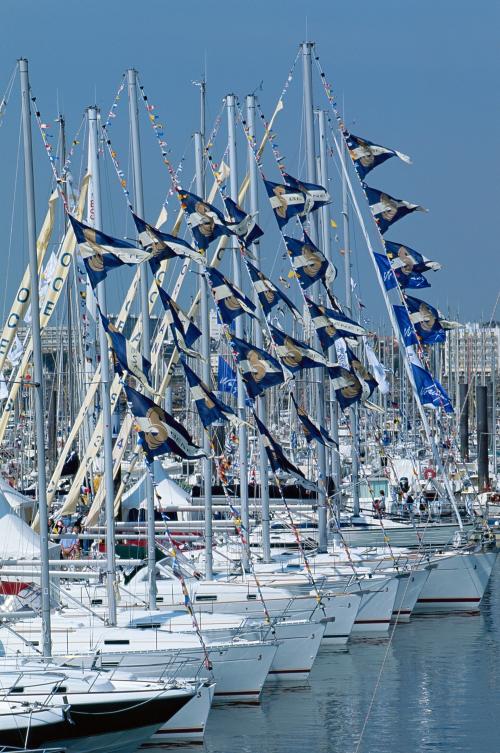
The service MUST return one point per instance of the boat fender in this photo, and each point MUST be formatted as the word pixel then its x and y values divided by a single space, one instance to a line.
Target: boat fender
pixel 429 473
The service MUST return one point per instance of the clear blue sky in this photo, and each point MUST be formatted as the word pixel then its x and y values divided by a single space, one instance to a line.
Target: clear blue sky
pixel 421 77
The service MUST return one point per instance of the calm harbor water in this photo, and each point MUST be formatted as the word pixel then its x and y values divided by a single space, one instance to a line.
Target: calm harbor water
pixel 439 692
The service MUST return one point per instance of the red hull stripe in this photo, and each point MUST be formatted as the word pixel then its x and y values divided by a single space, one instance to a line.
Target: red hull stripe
pixel 287 671
pixel 371 622
pixel 475 600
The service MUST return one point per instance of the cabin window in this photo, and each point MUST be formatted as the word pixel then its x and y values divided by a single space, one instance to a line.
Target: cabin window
pixel 251 596
pixel 17 689
pixel 96 602
pixel 59 689
pixel 206 597
pixel 159 598
pixel 116 642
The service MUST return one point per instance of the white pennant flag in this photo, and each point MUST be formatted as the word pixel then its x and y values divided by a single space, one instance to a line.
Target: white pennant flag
pixel 16 351
pixel 377 370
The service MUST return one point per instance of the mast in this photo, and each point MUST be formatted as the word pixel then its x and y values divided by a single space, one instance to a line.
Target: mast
pixel 353 412
pixel 332 356
pixel 37 385
pixel 146 334
pixel 320 389
pixel 203 91
pixel 493 362
pixel 261 400
pixel 206 370
pixel 242 429
pixel 95 218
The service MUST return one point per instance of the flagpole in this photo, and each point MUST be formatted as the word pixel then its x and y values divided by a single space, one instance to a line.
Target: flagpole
pixel 332 355
pixel 261 400
pixel 37 384
pixel 242 430
pixel 94 218
pixel 353 412
pixel 307 48
pixel 146 335
pixel 207 375
pixel 70 382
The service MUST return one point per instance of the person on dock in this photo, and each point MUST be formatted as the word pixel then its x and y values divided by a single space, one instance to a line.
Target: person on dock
pixel 70 544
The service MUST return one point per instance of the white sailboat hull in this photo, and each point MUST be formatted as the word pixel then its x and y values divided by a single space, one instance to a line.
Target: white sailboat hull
pixel 239 671
pixel 188 725
pixel 377 605
pixel 347 607
pixel 410 587
pixel 456 583
pixel 297 650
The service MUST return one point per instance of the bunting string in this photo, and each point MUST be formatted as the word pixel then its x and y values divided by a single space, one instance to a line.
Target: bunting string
pixel 159 132
pixel 46 138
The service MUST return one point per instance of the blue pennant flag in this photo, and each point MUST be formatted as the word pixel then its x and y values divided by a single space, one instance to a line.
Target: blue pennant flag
pixel 226 378
pixel 429 390
pixel 408 265
pixel 269 295
pixel 425 319
pixel 308 262
pixel 231 301
pixel 162 246
pixel 331 324
pixel 388 210
pixel 311 430
pixel 366 155
pixel 285 202
pixel 258 369
pixel 126 357
pixel 294 354
pixel 159 432
pixel 243 225
pixel 210 408
pixel 277 458
pixel 206 222
pixel 184 331
pixel 405 326
pixel 227 381
pixel 101 252
pixel 315 196
pixel 386 271
pixel 352 381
